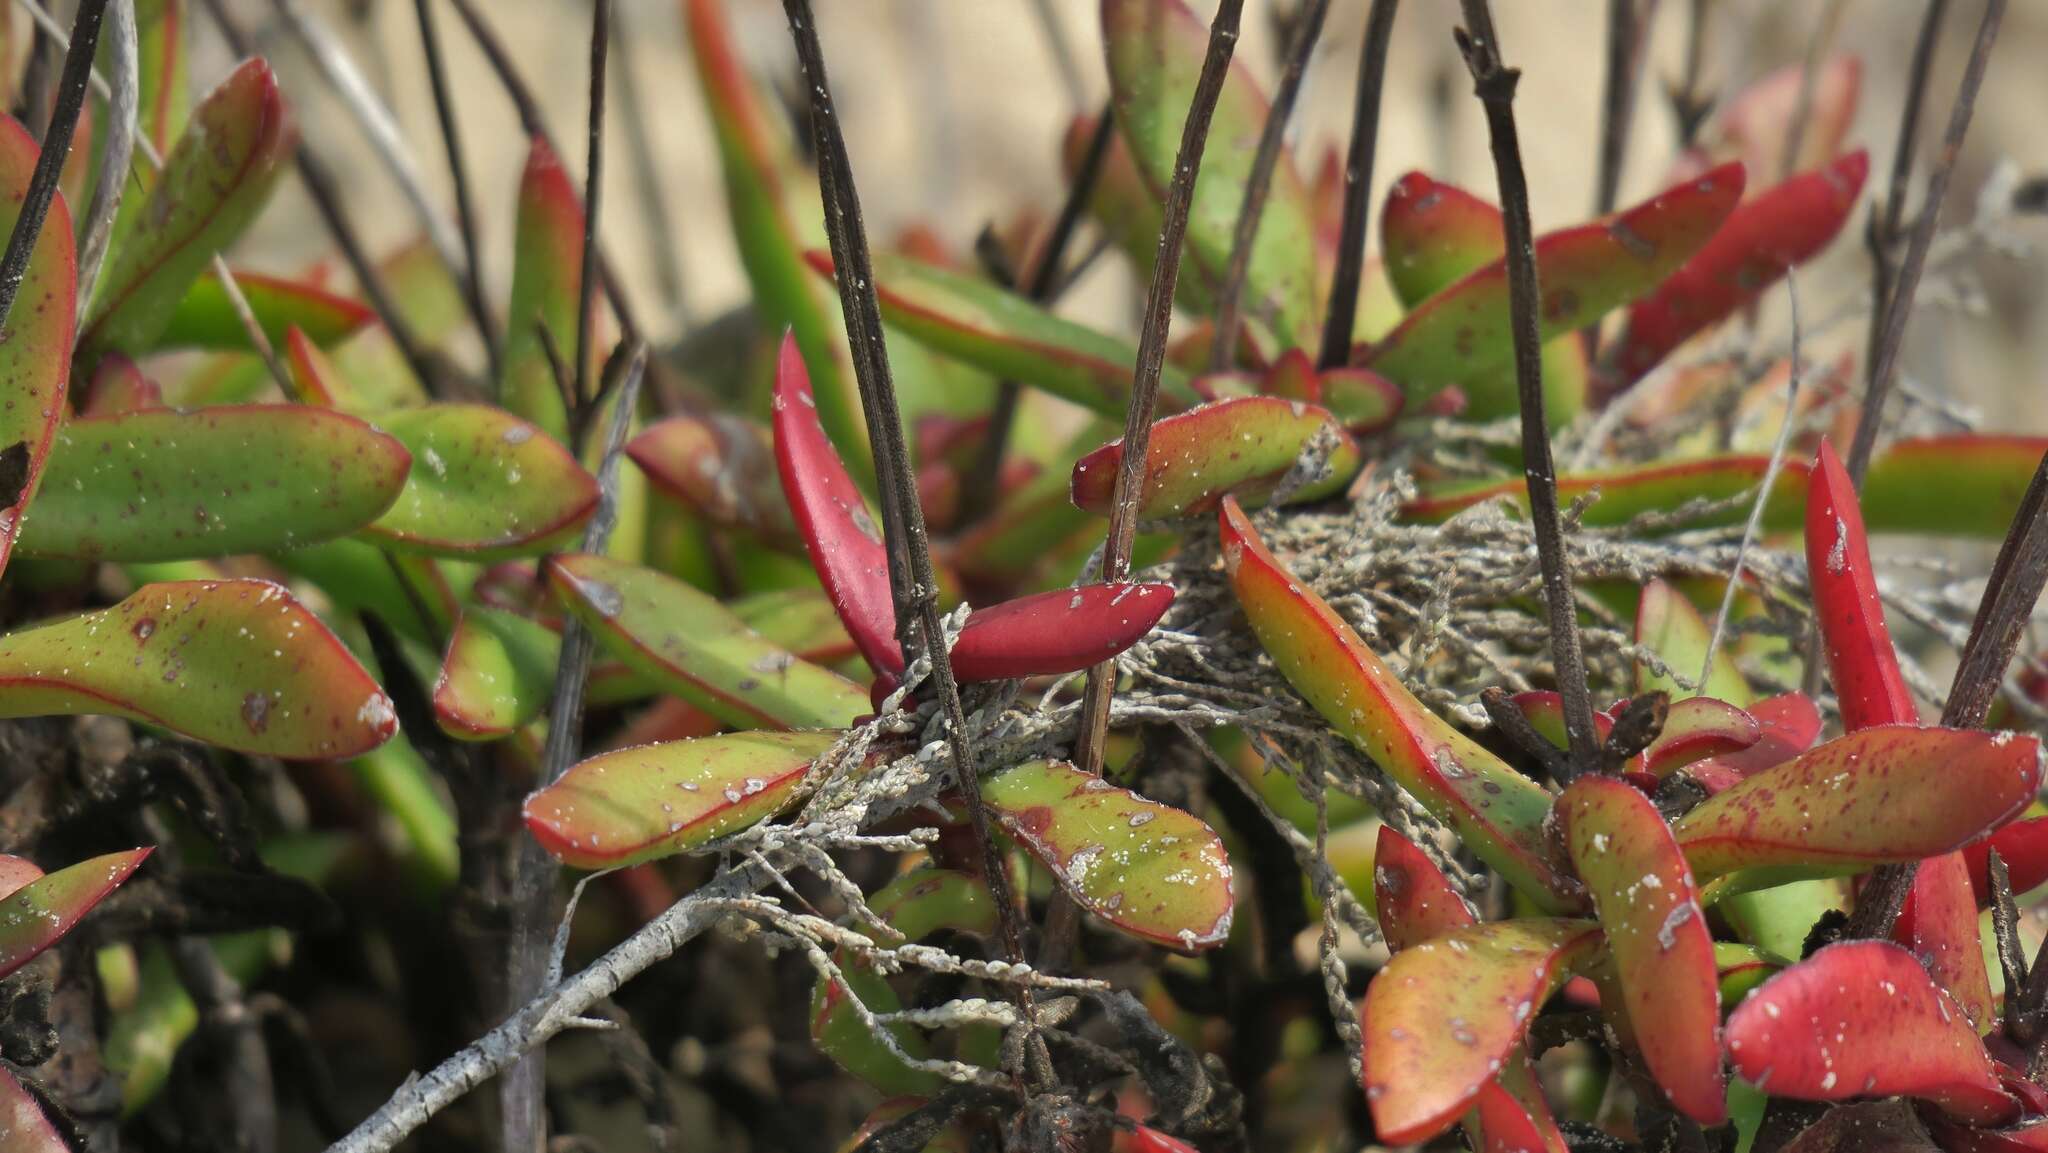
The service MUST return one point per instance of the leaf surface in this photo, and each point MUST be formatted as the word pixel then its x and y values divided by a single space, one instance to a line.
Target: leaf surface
pixel 721 465
pixel 205 318
pixel 35 358
pixel 1668 625
pixel 1242 446
pixel 1862 665
pixel 38 914
pixel 1415 901
pixel 547 274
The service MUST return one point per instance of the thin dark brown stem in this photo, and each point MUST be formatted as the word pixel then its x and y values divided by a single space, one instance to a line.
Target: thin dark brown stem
pixel 1515 725
pixel 593 189
pixel 458 172
pixel 1158 317
pixel 1899 303
pixel 56 148
pixel 1626 24
pixel 1495 86
pixel 1308 29
pixel 1689 107
pixel 1046 279
pixel 1358 163
pixel 913 586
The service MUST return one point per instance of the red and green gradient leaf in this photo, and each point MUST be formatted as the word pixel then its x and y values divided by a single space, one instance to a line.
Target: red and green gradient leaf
pixel 1862 664
pixel 1243 446
pixel 38 914
pixel 1415 901
pixel 35 359
pixel 547 274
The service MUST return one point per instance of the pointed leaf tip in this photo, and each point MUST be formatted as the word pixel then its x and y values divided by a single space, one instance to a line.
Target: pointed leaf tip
pixel 1416 901
pixel 38 914
pixel 1862 665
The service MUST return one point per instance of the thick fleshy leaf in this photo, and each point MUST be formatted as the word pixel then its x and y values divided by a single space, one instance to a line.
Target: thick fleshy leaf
pixel 652 801
pixel 1950 485
pixel 754 160
pixel 1944 935
pixel 205 319
pixel 1057 632
pixel 35 358
pixel 1862 665
pixel 925 901
pixel 1415 901
pixel 683 640
pixel 1497 812
pixel 237 663
pixel 1002 333
pixel 1662 948
pixel 1362 400
pixel 1460 336
pixel 35 916
pixel 800 620
pixel 1243 446
pixel 485 485
pixel 1155 50
pixel 168 485
pixel 24 1127
pixel 497 674
pixel 1442 1016
pixel 1771 232
pixel 1668 625
pixel 118 386
pixel 1753 124
pixel 547 268
pixel 16 872
pixel 1787 725
pixel 1860 1019
pixel 1508 1125
pixel 1626 493
pixel 838 1031
pixel 1886 793
pixel 2023 846
pixel 1698 728
pixel 721 465
pixel 212 184
pixel 1152 871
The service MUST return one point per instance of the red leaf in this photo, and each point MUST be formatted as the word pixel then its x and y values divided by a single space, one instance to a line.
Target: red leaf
pixel 1943 934
pixel 1698 728
pixel 1765 235
pixel 1057 632
pixel 1787 725
pixel 1509 1126
pixel 1416 901
pixel 1861 1019
pixel 1862 664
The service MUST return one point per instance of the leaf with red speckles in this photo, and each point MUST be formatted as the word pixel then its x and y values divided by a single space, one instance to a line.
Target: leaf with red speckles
pixel 35 359
pixel 212 184
pixel 547 272
pixel 1155 51
pixel 1662 948
pixel 1786 727
pixel 1498 812
pixel 1667 624
pixel 206 319
pixel 1442 1016
pixel 1774 230
pixel 236 663
pixel 690 645
pixel 1243 446
pixel 24 1126
pixel 639 804
pixel 118 386
pixel 1460 337
pixel 1862 665
pixel 1415 900
pixel 167 485
pixel 485 485
pixel 1152 871
pixel 1008 336
pixel 38 914
pixel 1944 935
pixel 1057 632
pixel 1861 1019
pixel 1697 728
pixel 1886 793
pixel 721 465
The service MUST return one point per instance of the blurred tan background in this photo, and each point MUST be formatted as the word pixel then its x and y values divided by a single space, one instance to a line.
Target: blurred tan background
pixel 954 110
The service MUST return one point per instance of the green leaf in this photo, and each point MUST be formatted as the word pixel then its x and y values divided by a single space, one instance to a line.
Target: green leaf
pixel 1949 485
pixel 925 901
pixel 723 467
pixel 204 317
pixel 167 485
pixel 690 645
pixel 1156 50
pixel 1628 492
pixel 639 804
pixel 35 357
pixel 485 485
pixel 497 675
pixel 1498 812
pixel 838 1032
pixel 801 620
pixel 1243 446
pixel 212 185
pixel 1667 624
pixel 1152 871
pixel 236 663
pixel 39 913
pixel 547 272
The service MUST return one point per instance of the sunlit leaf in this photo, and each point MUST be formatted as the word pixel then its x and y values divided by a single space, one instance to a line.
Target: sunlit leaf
pixel 1509 1126
pixel 239 664
pixel 1243 446
pixel 547 272
pixel 499 673
pixel 925 901
pixel 38 914
pixel 721 465
pixel 1698 728
pixel 168 485
pixel 1057 632
pixel 1497 812
pixel 205 318
pixel 1944 935
pixel 484 485
pixel 1786 727
pixel 1861 1019
pixel 838 1032
pixel 1663 950
pixel 1150 870
pixel 1667 624
pixel 1950 485
pixel 1630 491
pixel 800 620
pixel 652 801
pixel 1415 900
pixel 35 358
pixel 1862 665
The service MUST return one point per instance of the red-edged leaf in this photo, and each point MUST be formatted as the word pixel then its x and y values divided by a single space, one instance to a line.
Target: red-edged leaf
pixel 1667 624
pixel 1887 793
pixel 1663 950
pixel 842 536
pixel 205 318
pixel 637 804
pixel 1628 492
pixel 1057 632
pixel 1771 232
pixel 721 465
pixel 38 914
pixel 1146 1140
pixel 1415 900
pixel 1433 233
pixel 1498 812
pixel 238 663
pixel 16 872
pixel 35 359
pixel 212 184
pixel 1752 125
pixel 1944 936
pixel 1786 727
pixel 118 386
pixel 1861 1019
pixel 1460 336
pixel 1243 446
pixel 1964 485
pixel 1509 1126
pixel 1862 664
pixel 1151 870
pixel 1697 728
pixel 800 620
pixel 2023 846
pixel 1443 1016
pixel 547 268
pixel 24 1127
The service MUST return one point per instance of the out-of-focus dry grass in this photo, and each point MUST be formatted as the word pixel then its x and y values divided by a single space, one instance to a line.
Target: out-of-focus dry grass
pixel 954 110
